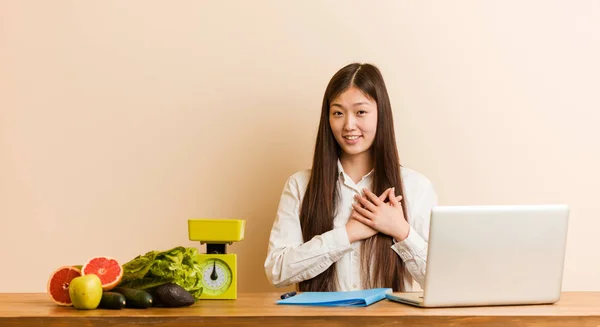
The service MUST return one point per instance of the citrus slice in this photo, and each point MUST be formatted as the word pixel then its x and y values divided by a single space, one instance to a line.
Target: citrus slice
pixel 108 269
pixel 58 284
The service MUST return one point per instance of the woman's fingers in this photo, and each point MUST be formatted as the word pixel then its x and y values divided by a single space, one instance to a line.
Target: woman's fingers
pixel 364 212
pixel 366 203
pixel 373 198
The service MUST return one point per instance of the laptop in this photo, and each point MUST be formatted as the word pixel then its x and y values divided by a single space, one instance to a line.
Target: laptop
pixel 493 255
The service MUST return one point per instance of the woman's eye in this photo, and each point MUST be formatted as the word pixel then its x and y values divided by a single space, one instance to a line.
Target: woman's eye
pixel 362 112
pixel 337 113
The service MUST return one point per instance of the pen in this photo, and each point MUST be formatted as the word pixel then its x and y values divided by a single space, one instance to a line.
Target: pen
pixel 286 295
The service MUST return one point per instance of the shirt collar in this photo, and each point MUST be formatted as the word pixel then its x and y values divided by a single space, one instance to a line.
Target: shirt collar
pixel 342 174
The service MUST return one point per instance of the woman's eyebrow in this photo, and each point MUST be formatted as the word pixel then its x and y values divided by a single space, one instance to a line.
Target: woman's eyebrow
pixel 355 104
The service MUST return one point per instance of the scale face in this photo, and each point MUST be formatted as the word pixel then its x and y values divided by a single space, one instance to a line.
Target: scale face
pixel 217 276
pixel 218 268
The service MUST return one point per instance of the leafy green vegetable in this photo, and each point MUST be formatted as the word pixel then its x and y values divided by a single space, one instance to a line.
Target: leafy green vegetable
pixel 179 265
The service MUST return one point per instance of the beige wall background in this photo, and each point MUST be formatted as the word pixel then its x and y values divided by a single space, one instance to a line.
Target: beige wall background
pixel 119 120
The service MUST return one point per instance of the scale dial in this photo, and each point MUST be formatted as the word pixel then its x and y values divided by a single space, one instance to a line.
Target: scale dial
pixel 216 276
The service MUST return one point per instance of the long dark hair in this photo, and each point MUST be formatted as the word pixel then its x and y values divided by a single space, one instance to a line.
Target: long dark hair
pixel 380 266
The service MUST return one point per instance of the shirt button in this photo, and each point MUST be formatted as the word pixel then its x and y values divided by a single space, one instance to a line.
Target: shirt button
pixel 354 286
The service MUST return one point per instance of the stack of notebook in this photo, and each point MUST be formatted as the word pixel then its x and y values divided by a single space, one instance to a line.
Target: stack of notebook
pixel 361 298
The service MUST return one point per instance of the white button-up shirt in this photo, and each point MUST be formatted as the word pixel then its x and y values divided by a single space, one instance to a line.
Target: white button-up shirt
pixel 290 260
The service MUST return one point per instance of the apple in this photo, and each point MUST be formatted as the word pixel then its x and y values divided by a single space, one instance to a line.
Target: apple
pixel 86 291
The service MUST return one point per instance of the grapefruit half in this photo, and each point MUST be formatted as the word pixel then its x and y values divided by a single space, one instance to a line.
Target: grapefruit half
pixel 108 269
pixel 58 284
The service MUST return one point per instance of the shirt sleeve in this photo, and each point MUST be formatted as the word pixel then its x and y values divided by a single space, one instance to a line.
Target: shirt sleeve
pixel 413 249
pixel 289 259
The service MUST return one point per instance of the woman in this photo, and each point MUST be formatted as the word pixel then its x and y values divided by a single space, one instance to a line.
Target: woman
pixel 357 219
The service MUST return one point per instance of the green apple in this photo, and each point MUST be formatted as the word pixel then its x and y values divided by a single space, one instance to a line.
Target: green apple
pixel 86 291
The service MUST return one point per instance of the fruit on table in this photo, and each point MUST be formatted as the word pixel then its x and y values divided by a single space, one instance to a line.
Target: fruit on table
pixel 58 284
pixel 171 295
pixel 135 298
pixel 112 300
pixel 107 269
pixel 166 279
pixel 86 291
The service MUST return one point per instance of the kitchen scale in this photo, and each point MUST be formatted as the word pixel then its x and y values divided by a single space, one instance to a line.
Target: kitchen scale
pixel 219 268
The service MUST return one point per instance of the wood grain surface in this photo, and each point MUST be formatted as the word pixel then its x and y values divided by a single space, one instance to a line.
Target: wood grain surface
pixel 574 309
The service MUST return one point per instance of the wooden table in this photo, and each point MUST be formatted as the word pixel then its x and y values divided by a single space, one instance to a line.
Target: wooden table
pixel 580 309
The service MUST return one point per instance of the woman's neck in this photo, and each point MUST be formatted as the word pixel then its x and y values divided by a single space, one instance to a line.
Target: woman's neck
pixel 358 165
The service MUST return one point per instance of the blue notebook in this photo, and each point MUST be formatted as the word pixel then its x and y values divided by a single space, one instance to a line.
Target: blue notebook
pixel 360 298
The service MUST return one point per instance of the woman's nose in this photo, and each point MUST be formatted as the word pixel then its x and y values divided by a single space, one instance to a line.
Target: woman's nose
pixel 349 123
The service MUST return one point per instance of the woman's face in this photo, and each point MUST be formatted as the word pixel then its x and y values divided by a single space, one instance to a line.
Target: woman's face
pixel 353 121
